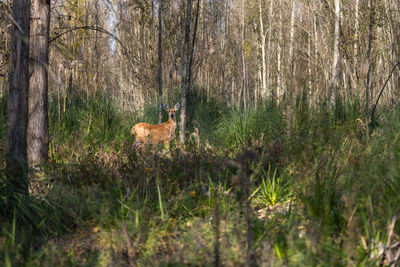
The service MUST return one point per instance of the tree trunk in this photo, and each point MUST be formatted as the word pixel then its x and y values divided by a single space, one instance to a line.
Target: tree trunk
pixel 243 59
pixel 396 46
pixel 263 63
pixel 193 44
pixel 291 40
pixel 335 67
pixel 18 91
pixel 185 72
pixel 96 47
pixel 38 123
pixel 356 34
pixel 309 62
pixel 160 81
pixel 316 50
pixel 368 60
pixel 269 49
pixel 279 73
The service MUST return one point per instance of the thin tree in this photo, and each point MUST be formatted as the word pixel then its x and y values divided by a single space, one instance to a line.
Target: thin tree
pixel 356 35
pixel 368 59
pixel 16 162
pixel 243 90
pixel 38 123
pixel 291 40
pixel 184 70
pixel 160 80
pixel 262 47
pixel 193 44
pixel 335 67
pixel 269 49
pixel 279 87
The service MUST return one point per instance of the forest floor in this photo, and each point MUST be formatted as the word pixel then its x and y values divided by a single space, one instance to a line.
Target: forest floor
pixel 269 187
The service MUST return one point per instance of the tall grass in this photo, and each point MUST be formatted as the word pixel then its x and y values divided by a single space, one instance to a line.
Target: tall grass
pixel 326 189
pixel 239 129
pixel 95 118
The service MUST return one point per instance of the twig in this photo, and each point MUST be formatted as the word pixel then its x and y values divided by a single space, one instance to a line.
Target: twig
pixel 23 38
pixel 13 21
pixel 102 30
pixel 87 27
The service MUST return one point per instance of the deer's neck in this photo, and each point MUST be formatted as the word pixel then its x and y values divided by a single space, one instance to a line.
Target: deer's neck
pixel 171 122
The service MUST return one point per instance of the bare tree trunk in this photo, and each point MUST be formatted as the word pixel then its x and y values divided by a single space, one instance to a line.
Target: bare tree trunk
pixel 185 72
pixel 356 34
pixel 315 40
pixel 160 80
pixel 279 49
pixel 243 59
pixel 396 46
pixel 38 123
pixel 368 59
pixel 335 67
pixel 309 62
pixel 263 63
pixel 291 46
pixel 193 44
pixel 269 48
pixel 18 91
pixel 96 46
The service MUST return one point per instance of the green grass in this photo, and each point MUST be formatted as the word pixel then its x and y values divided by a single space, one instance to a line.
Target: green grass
pixel 273 189
pixel 323 191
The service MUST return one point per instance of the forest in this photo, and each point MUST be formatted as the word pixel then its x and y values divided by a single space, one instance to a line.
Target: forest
pixel 274 136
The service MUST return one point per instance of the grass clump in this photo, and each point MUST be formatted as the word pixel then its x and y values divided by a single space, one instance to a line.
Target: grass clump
pixel 240 129
pixel 273 189
pixel 95 120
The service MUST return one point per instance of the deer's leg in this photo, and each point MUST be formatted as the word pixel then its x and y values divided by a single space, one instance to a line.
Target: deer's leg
pixel 137 143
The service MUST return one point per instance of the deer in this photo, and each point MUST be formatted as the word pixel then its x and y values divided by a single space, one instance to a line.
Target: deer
pixel 163 133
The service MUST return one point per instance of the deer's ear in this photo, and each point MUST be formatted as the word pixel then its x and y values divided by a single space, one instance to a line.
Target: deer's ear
pixel 166 107
pixel 176 106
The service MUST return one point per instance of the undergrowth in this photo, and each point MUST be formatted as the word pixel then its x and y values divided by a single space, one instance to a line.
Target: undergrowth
pixel 278 185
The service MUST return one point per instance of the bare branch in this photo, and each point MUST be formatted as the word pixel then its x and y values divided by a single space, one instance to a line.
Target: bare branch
pixel 380 94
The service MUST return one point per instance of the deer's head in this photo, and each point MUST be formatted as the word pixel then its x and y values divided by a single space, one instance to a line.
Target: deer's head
pixel 171 111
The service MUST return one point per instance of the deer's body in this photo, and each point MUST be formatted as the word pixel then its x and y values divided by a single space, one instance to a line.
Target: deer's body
pixel 162 133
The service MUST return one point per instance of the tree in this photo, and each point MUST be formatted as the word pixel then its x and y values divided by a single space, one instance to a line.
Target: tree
pixel 356 34
pixel 185 72
pixel 38 125
pixel 193 44
pixel 243 36
pixel 160 81
pixel 368 59
pixel 18 90
pixel 291 40
pixel 279 87
pixel 269 48
pixel 335 66
pixel 262 47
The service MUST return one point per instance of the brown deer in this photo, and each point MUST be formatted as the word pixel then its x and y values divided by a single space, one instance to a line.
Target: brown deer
pixel 162 133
